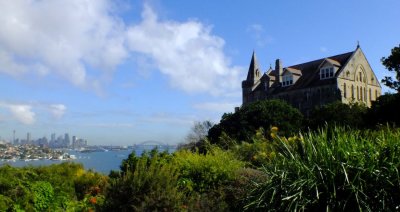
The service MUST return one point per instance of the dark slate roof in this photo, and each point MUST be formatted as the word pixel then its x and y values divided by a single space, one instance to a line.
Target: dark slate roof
pixel 310 72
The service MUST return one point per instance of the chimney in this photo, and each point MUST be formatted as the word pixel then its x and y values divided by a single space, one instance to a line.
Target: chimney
pixel 278 70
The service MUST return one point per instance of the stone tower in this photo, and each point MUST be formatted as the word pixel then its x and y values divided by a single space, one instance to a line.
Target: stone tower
pixel 252 80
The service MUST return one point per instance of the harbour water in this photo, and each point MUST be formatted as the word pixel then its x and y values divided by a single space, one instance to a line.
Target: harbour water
pixel 102 162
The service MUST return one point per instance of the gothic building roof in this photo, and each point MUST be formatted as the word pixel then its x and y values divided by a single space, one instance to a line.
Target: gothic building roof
pixel 309 72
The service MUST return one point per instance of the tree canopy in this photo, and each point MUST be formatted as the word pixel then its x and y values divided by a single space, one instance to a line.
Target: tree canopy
pixel 392 63
pixel 338 113
pixel 244 123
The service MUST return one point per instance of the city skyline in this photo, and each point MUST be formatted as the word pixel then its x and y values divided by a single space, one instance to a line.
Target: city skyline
pixel 121 72
pixel 61 141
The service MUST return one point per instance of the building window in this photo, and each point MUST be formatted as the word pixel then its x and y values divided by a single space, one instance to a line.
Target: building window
pixel 287 80
pixel 344 90
pixel 358 94
pixel 376 94
pixel 352 91
pixel 370 95
pixel 365 94
pixel 326 73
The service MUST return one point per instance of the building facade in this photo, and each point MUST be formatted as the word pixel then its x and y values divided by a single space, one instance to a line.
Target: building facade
pixel 345 77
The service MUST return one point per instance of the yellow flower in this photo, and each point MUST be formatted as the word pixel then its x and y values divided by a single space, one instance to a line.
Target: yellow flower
pixel 274 129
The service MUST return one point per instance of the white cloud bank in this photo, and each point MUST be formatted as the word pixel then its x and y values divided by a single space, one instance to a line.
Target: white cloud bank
pixel 26 113
pixel 85 41
pixel 187 52
pixel 22 113
pixel 62 37
pixel 57 110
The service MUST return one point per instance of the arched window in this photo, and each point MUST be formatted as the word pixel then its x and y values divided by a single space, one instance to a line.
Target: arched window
pixel 370 95
pixel 344 90
pixel 358 94
pixel 352 91
pixel 365 94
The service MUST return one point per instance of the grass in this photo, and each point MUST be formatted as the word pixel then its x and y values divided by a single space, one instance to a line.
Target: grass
pixel 333 169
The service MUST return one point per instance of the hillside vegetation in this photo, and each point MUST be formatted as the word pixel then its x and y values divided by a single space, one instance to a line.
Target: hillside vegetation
pixel 344 160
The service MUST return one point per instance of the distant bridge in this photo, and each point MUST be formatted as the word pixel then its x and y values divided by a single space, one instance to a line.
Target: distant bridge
pixel 153 144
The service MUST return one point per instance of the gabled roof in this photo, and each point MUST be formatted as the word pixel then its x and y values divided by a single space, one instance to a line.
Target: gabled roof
pixel 333 62
pixel 310 72
pixel 293 71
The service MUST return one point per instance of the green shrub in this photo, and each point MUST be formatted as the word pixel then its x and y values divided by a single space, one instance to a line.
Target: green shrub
pixel 5 203
pixel 204 172
pixel 240 188
pixel 334 169
pixel 148 184
pixel 45 188
pixel 43 195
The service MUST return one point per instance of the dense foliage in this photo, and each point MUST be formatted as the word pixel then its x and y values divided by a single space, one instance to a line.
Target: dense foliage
pixel 66 186
pixel 338 113
pixel 242 124
pixel 385 111
pixel 157 181
pixel 334 168
pixel 392 63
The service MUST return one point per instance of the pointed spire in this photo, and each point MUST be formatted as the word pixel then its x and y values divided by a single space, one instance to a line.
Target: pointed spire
pixel 253 74
pixel 358 44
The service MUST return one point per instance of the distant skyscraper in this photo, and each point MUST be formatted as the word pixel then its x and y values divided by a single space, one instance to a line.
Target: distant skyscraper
pixel 28 137
pixel 74 142
pixel 67 142
pixel 53 137
pixel 14 137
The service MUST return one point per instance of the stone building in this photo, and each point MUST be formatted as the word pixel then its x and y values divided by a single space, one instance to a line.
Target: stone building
pixel 345 77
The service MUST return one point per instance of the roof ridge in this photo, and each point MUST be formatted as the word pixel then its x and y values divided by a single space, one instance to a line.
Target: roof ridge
pixel 330 57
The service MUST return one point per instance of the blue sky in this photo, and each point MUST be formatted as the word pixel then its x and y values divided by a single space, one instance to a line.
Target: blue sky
pixel 123 72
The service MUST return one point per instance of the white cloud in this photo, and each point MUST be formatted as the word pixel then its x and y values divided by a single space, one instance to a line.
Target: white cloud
pixel 21 112
pixel 57 110
pixel 85 41
pixel 323 49
pixel 62 37
pixel 257 32
pixel 221 107
pixel 186 52
pixel 27 113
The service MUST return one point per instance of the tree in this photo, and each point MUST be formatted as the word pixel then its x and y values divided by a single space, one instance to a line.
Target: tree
pixel 392 63
pixel 244 123
pixel 338 113
pixel 197 134
pixel 384 110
